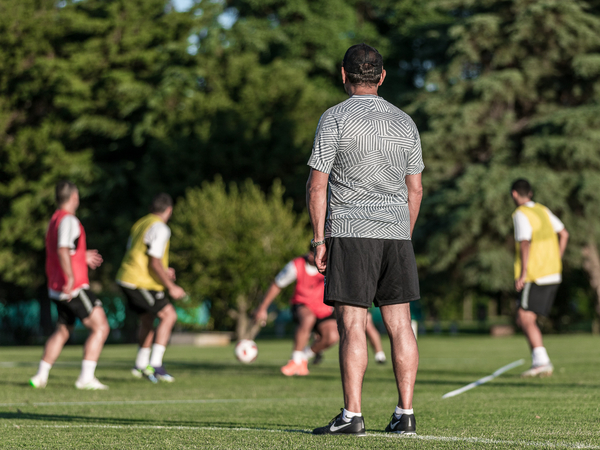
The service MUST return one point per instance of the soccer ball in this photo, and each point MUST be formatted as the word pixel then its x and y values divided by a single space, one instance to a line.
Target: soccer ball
pixel 246 351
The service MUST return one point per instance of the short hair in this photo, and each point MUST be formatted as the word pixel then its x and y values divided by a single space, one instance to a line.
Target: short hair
pixel 363 64
pixel 522 187
pixel 160 203
pixel 63 191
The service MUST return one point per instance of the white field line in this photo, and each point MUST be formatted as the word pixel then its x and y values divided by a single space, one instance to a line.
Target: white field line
pixel 473 440
pixel 148 402
pixel 479 382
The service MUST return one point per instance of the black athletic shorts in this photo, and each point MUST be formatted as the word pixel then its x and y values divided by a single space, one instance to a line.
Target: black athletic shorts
pixel 79 307
pixel 144 301
pixel 537 298
pixel 317 323
pixel 362 271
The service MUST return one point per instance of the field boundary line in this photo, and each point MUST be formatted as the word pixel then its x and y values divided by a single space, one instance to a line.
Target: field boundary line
pixel 483 380
pixel 154 402
pixel 473 440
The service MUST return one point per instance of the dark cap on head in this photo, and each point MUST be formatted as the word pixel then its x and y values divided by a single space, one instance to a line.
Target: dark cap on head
pixel 362 59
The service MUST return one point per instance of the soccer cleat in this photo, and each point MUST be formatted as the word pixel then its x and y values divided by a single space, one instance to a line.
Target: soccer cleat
pixel 293 368
pixel 148 373
pixel 38 382
pixel 318 359
pixel 93 385
pixel 406 424
pixel 544 370
pixel 338 425
pixel 161 374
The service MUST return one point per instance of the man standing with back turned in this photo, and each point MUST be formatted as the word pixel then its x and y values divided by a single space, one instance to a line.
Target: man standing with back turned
pixel 538 269
pixel 369 152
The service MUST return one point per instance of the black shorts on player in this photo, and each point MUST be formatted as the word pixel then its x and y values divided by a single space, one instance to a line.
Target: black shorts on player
pixel 363 271
pixel 79 307
pixel 318 322
pixel 537 298
pixel 143 301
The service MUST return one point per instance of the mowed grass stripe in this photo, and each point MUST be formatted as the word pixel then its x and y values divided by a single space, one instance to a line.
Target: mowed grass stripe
pixel 472 440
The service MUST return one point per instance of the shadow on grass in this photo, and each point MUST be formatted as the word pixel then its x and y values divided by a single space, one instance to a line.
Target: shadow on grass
pixel 115 421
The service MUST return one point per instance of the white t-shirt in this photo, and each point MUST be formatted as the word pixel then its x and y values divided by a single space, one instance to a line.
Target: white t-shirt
pixel 289 274
pixel 156 238
pixel 68 233
pixel 523 232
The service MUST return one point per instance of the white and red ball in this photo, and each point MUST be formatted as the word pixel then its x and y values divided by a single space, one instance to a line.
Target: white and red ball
pixel 246 351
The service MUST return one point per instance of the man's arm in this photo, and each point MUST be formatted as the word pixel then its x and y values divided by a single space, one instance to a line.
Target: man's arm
pixel 261 315
pixel 161 273
pixel 563 238
pixel 316 200
pixel 64 258
pixel 524 246
pixel 415 195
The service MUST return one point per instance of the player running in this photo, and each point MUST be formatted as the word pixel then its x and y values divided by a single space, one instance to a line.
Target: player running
pixel 67 262
pixel 143 276
pixel 308 309
pixel 538 269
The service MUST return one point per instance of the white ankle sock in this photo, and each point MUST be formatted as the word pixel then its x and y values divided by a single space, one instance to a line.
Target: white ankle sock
pixel 399 412
pixel 380 357
pixel 348 415
pixel 539 357
pixel 157 355
pixel 87 371
pixel 298 356
pixel 308 353
pixel 44 369
pixel 142 360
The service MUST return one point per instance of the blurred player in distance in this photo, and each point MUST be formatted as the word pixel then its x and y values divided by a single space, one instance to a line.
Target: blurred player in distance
pixel 541 240
pixel 144 275
pixel 67 262
pixel 308 309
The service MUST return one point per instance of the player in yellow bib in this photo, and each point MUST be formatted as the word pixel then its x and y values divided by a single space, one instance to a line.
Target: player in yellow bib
pixel 144 275
pixel 541 239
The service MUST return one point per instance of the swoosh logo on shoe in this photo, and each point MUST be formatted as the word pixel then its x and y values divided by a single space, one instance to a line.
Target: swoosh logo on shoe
pixel 334 428
pixel 394 424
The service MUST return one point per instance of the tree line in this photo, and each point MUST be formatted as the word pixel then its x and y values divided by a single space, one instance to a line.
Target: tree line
pixel 128 98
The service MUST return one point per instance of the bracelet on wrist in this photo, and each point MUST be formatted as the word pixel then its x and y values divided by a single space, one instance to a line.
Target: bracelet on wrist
pixel 314 244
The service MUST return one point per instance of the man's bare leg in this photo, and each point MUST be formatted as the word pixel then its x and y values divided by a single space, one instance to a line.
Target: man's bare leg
pixel 352 324
pixel 56 342
pixel 527 321
pixel 405 353
pixel 328 336
pixel 307 320
pixel 146 331
pixel 167 317
pixel 98 325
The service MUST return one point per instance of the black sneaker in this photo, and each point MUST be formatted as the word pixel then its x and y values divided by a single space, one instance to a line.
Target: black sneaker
pixel 355 427
pixel 406 424
pixel 318 359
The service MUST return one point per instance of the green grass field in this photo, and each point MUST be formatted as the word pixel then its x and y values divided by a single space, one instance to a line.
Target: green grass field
pixel 217 402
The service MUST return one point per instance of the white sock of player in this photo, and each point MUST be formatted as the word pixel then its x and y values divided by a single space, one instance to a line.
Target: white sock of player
pixel 298 356
pixel 380 357
pixel 348 415
pixel 44 369
pixel 308 352
pixel 87 371
pixel 539 356
pixel 142 360
pixel 157 355
pixel 399 412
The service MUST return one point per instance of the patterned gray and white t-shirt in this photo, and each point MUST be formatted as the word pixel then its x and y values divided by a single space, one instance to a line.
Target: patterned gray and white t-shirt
pixel 367 146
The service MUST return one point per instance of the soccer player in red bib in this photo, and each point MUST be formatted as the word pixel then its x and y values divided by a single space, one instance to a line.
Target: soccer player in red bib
pixel 309 311
pixel 67 262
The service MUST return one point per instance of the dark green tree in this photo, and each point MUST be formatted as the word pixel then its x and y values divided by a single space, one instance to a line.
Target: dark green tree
pixel 518 97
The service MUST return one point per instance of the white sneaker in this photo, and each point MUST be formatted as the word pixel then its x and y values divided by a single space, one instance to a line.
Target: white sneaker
pixel 93 385
pixel 38 382
pixel 544 370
